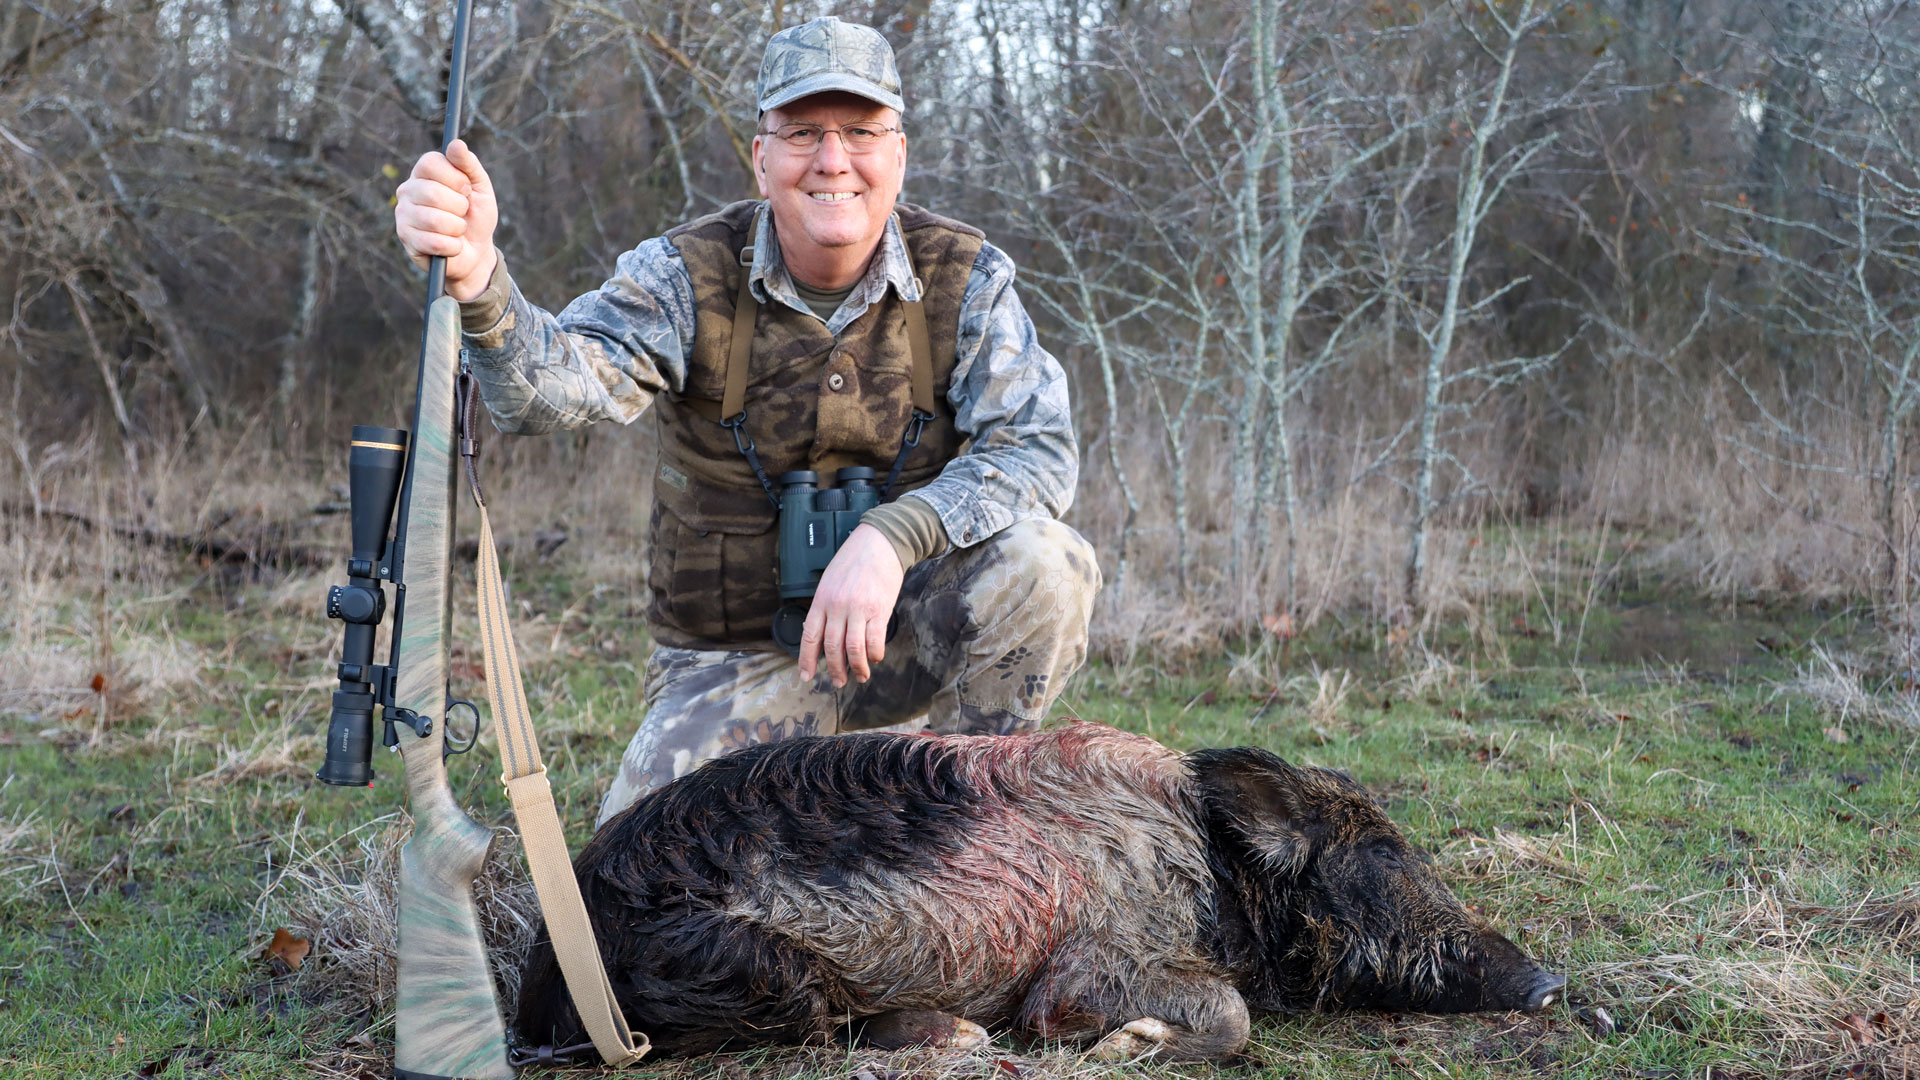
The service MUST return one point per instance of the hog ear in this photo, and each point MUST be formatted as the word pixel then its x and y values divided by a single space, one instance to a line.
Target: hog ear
pixel 1256 797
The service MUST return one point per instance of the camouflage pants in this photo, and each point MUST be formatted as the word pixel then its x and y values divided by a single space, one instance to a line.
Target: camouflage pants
pixel 984 638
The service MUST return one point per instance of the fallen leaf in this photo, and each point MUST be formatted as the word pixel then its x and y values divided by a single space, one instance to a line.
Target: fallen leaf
pixel 286 949
pixel 1838 735
pixel 1859 1027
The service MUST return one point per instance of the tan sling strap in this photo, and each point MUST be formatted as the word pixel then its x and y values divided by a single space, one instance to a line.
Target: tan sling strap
pixel 525 776
pixel 539 820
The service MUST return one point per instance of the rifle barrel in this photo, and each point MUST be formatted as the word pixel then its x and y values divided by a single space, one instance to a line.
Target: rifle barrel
pixel 450 127
pixel 436 288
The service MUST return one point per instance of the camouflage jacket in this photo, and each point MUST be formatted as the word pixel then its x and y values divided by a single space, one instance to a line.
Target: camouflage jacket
pixel 610 352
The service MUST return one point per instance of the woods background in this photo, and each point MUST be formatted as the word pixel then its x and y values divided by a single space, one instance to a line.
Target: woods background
pixel 1343 288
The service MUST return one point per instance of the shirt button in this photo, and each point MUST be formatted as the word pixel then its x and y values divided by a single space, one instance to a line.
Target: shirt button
pixel 835 381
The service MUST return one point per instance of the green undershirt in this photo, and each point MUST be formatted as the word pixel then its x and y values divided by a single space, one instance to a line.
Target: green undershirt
pixel 824 302
pixel 912 526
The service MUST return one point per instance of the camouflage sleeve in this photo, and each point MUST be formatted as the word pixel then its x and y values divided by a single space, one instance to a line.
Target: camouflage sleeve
pixel 1010 398
pixel 602 358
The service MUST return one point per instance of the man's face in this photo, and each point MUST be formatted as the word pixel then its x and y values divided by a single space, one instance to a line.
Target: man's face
pixel 829 198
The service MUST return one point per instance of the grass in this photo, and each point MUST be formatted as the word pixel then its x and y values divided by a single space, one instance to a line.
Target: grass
pixel 1725 860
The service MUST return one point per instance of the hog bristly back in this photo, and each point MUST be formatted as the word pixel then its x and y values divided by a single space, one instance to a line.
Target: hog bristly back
pixel 876 872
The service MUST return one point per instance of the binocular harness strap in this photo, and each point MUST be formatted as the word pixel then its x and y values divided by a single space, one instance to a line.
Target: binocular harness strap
pixel 525 776
pixel 733 402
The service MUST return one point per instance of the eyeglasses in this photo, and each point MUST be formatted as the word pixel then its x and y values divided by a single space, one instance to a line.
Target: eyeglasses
pixel 857 138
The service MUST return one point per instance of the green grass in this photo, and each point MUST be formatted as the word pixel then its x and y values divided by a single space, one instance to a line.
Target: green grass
pixel 1714 868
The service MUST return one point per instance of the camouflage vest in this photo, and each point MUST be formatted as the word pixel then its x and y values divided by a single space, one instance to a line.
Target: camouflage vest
pixel 814 401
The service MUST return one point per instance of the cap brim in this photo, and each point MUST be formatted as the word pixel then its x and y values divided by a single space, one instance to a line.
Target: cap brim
pixel 833 80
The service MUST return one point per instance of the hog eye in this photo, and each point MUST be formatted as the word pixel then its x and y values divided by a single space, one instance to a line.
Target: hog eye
pixel 1386 856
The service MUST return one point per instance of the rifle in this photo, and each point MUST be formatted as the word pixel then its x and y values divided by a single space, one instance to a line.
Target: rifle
pixel 447 1021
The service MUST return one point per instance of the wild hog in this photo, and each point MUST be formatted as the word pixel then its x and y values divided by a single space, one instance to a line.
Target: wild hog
pixel 1076 884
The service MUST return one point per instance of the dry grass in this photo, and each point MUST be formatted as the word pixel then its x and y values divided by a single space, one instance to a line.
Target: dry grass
pixel 1794 972
pixel 27 860
pixel 1688 504
pixel 1896 916
pixel 1702 505
pixel 1507 854
pixel 1431 676
pixel 268 756
pixel 1839 684
pixel 1789 968
pixel 1808 1001
pixel 343 895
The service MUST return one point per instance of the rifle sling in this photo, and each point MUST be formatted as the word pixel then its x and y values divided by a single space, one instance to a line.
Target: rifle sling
pixel 533 809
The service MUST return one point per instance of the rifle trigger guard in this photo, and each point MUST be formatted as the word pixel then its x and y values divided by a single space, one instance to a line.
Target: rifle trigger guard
pixel 450 746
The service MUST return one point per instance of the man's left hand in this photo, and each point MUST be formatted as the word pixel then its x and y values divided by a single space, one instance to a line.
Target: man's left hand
pixel 848 619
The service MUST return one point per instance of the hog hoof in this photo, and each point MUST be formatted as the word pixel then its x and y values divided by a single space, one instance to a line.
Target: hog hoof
pixel 967 1035
pixel 1135 1040
pixel 922 1027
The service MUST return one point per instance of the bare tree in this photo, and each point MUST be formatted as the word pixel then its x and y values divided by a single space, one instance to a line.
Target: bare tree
pixel 1483 176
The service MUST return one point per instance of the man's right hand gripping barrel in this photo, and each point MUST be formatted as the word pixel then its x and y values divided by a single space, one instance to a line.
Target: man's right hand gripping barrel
pixel 446 207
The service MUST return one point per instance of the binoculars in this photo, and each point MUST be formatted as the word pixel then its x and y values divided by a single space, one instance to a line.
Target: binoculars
pixel 814 522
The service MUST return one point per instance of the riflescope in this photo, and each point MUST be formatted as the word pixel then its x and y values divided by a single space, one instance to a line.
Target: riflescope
pixel 374 467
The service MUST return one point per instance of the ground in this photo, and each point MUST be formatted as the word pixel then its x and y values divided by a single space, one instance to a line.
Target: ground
pixel 1722 852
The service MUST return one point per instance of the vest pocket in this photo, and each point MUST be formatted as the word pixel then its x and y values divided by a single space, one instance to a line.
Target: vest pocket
pixel 711 569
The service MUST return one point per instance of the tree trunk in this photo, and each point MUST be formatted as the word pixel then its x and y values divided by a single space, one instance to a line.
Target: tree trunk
pixel 1466 224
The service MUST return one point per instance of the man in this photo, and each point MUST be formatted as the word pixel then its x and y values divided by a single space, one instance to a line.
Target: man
pixel 875 335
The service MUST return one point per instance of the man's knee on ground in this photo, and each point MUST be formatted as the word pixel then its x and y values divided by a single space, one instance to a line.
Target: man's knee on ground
pixel 1040 563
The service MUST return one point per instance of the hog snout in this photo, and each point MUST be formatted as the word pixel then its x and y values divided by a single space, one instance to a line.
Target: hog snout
pixel 1508 978
pixel 1544 991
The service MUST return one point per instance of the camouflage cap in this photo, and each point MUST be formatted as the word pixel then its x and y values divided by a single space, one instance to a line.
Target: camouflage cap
pixel 827 54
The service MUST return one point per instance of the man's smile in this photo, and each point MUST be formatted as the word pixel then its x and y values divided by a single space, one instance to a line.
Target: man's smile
pixel 832 196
